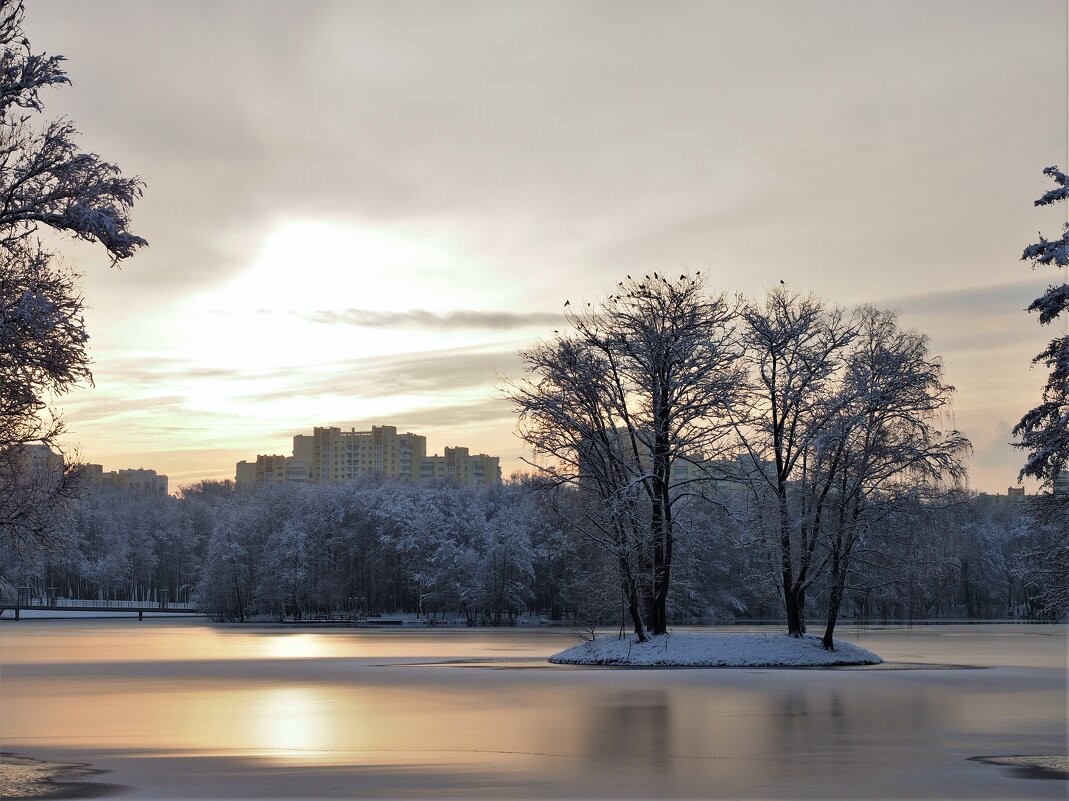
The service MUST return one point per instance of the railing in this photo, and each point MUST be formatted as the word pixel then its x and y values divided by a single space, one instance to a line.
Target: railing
pixel 70 603
pixel 25 601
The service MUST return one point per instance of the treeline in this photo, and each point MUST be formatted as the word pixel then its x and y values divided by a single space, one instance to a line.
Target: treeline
pixel 488 556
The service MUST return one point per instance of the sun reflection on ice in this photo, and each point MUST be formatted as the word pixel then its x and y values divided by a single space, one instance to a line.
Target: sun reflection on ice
pixel 292 723
pixel 295 646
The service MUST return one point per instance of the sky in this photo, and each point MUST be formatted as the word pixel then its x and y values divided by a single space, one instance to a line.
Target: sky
pixel 359 212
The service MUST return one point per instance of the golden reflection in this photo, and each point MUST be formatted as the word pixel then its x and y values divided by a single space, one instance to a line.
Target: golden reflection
pixel 296 646
pixel 291 722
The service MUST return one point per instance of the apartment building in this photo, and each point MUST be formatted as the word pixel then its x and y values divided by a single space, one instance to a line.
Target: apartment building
pixel 333 454
pixel 245 473
pixel 271 469
pixel 40 458
pixel 1061 484
pixel 339 455
pixel 138 479
pixel 458 464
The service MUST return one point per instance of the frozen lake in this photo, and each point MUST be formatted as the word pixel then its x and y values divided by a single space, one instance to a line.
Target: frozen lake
pixel 181 709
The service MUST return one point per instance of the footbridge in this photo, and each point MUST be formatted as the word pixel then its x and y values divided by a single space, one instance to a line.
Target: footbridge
pixel 26 601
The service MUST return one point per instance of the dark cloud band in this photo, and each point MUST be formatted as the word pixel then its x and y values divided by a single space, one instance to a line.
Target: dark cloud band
pixel 421 318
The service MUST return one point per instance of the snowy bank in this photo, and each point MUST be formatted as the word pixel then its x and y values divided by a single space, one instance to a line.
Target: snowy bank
pixel 694 649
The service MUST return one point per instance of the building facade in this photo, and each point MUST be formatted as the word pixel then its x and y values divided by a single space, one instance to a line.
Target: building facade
pixel 40 458
pixel 458 464
pixel 333 454
pixel 339 455
pixel 139 479
pixel 1061 484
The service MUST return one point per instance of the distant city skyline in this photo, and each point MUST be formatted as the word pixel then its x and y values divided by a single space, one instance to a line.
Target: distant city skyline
pixel 359 215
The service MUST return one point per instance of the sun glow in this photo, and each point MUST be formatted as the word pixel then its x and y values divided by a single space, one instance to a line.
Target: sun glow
pixel 311 266
pixel 293 722
pixel 271 314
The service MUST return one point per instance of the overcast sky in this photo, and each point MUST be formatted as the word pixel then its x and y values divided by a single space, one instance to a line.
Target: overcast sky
pixel 358 212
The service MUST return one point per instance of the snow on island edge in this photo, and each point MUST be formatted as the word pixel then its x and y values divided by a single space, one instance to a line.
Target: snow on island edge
pixel 693 649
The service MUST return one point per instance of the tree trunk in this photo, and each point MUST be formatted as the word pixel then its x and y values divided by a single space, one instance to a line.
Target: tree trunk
pixel 657 623
pixel 790 596
pixel 794 617
pixel 631 590
pixel 833 614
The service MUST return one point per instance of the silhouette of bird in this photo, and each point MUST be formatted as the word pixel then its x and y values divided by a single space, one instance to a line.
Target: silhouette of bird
pixel 783 282
pixel 682 277
pixel 567 303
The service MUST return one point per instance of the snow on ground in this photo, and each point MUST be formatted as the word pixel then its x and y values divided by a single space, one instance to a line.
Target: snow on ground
pixel 698 649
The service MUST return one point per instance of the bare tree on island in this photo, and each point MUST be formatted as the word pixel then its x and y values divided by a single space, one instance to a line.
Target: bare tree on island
pixel 795 354
pixel 45 181
pixel 885 443
pixel 842 414
pixel 640 383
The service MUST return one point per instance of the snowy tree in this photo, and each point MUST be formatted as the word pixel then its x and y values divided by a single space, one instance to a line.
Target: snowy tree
pixel 591 482
pixel 796 350
pixel 507 555
pixel 1045 566
pixel 45 181
pixel 640 383
pixel 1044 431
pixel 887 439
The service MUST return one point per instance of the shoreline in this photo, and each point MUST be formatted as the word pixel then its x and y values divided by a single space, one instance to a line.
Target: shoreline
pixel 719 650
pixel 26 777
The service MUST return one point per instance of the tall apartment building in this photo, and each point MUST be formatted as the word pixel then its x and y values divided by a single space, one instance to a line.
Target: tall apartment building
pixel 341 455
pixel 479 470
pixel 333 454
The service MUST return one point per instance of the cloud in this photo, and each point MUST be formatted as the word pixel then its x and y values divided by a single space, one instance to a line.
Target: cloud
pixel 465 318
pixel 437 372
pixel 1013 296
pixel 161 369
pixel 92 407
pixel 427 419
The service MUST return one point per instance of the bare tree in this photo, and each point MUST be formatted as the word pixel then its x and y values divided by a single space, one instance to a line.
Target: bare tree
pixel 640 384
pixel 567 412
pixel 35 501
pixel 887 440
pixel 796 351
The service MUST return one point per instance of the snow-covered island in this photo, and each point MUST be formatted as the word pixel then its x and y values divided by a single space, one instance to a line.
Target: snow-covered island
pixel 696 649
